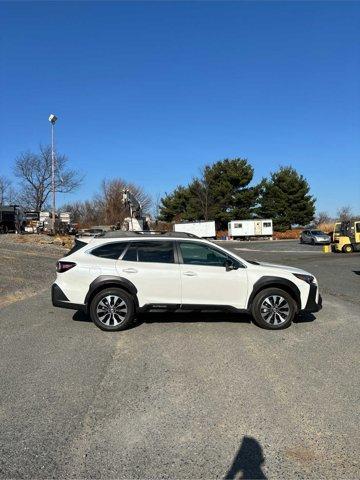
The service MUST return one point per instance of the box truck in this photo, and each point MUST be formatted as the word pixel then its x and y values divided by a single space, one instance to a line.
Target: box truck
pixel 246 229
pixel 201 229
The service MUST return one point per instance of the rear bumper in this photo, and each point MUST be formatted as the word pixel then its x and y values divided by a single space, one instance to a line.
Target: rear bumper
pixel 312 305
pixel 59 299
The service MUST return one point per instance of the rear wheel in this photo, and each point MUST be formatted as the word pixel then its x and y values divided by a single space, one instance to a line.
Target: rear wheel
pixel 273 309
pixel 347 248
pixel 112 309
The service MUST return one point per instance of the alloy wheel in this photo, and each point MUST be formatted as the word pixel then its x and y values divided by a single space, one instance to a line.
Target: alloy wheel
pixel 275 310
pixel 111 310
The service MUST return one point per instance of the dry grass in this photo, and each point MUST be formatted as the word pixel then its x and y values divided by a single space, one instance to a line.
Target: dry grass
pixel 326 227
pixel 60 240
pixel 288 234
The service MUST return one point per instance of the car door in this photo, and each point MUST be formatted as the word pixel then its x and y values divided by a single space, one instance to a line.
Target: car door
pixel 205 279
pixel 306 236
pixel 150 265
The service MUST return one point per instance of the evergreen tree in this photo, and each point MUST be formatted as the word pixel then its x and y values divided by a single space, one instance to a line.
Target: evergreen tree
pixel 221 193
pixel 286 199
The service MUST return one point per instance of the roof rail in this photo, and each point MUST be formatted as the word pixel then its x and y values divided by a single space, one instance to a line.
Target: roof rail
pixel 180 235
pixel 145 233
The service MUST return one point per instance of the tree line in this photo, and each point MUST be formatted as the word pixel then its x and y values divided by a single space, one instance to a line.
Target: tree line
pixel 223 192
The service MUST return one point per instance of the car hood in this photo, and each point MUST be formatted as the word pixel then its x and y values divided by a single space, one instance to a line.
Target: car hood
pixel 282 267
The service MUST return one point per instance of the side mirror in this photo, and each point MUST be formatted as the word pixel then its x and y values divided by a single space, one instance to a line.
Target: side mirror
pixel 230 265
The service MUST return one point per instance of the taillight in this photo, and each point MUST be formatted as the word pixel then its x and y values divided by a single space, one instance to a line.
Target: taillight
pixel 64 266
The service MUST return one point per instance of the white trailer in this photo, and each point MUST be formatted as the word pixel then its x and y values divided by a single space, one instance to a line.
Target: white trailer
pixel 201 229
pixel 250 228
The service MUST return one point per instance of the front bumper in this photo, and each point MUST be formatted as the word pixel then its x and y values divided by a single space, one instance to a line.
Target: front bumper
pixel 59 299
pixel 320 241
pixel 312 305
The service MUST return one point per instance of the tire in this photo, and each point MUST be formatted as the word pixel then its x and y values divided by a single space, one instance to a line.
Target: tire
pixel 347 248
pixel 268 299
pixel 104 301
pixel 301 240
pixel 312 241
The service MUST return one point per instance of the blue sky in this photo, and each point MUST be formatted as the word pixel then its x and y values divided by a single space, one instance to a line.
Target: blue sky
pixel 151 91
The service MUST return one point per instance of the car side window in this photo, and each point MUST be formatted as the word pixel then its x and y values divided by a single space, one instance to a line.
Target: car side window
pixel 109 250
pixel 197 254
pixel 151 252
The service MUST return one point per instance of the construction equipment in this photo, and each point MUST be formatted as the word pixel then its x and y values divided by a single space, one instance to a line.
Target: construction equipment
pixel 136 221
pixel 12 218
pixel 346 237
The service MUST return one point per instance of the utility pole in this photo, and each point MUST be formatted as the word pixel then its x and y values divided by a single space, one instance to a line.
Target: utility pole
pixel 52 120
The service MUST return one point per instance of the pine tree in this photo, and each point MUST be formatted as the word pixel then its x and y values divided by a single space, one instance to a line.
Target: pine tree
pixel 286 199
pixel 221 193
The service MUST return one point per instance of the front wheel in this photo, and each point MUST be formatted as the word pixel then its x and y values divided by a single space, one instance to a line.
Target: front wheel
pixel 347 248
pixel 112 309
pixel 273 309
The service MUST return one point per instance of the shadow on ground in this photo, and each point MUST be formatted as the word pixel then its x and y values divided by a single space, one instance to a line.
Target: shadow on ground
pixel 248 461
pixel 193 317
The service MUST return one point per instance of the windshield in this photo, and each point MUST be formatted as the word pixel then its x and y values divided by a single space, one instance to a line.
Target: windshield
pixel 317 232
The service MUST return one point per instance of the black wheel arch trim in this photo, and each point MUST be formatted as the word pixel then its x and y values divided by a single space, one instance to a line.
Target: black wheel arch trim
pixel 103 281
pixel 278 282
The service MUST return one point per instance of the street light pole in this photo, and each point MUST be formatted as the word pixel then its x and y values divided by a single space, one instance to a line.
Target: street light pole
pixel 52 120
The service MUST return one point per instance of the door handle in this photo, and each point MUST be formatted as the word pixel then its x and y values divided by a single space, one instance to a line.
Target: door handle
pixel 190 274
pixel 130 270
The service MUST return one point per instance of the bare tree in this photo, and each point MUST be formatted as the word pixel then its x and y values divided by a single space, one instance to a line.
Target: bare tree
pixel 345 213
pixel 322 217
pixel 111 196
pixel 87 213
pixel 34 172
pixel 107 207
pixel 7 192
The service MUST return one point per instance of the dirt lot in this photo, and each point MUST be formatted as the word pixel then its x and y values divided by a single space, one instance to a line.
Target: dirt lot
pixel 27 265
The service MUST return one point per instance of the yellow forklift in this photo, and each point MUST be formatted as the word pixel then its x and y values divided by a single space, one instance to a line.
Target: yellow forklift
pixel 346 237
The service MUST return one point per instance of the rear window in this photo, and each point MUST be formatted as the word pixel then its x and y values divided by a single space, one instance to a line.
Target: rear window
pixel 152 252
pixel 111 251
pixel 78 244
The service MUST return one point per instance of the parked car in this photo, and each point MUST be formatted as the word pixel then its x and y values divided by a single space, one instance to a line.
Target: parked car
pixel 114 278
pixel 315 237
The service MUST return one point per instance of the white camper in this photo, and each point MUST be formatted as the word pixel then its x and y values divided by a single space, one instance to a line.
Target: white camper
pixel 250 228
pixel 201 229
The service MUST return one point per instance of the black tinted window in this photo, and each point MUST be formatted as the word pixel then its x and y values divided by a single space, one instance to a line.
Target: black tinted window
pixel 110 250
pixel 153 251
pixel 197 254
pixel 78 244
pixel 131 253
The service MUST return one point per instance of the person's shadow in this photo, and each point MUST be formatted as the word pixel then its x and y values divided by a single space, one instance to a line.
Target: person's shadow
pixel 248 461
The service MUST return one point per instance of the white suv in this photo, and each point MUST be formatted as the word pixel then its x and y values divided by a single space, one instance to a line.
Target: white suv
pixel 114 278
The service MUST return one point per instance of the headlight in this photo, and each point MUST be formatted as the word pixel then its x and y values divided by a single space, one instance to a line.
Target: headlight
pixel 306 278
